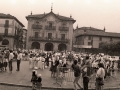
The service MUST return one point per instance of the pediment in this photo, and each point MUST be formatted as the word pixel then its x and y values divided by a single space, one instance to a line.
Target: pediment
pixel 51 18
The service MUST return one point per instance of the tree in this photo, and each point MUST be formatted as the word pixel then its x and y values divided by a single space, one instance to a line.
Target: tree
pixel 118 46
pixel 105 46
pixel 111 47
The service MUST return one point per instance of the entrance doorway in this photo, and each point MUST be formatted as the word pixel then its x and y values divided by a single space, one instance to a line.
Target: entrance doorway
pixel 62 47
pixel 35 45
pixel 5 42
pixel 48 47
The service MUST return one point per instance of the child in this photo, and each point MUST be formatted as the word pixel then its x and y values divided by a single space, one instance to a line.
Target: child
pixel 39 80
pixel 34 79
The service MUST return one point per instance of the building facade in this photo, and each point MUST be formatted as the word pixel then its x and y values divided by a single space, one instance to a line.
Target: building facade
pixel 89 38
pixel 49 32
pixel 10 28
pixel 24 38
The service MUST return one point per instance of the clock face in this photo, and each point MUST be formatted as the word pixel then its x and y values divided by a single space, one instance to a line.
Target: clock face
pixel 51 18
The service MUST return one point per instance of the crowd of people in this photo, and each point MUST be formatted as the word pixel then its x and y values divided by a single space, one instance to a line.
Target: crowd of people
pixel 85 64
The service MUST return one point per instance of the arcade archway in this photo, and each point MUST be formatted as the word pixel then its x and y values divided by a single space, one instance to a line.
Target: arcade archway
pixel 62 47
pixel 48 47
pixel 35 45
pixel 5 42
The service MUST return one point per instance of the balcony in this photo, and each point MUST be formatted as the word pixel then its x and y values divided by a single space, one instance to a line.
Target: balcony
pixel 36 26
pixel 46 39
pixel 82 46
pixel 6 25
pixel 63 28
pixel 50 28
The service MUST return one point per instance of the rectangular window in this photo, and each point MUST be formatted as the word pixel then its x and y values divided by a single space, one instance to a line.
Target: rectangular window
pixel 83 43
pixel 6 32
pixel 111 39
pixel 89 43
pixel 63 36
pixel 89 37
pixel 50 25
pixel 6 23
pixel 49 35
pixel 36 34
pixel 100 38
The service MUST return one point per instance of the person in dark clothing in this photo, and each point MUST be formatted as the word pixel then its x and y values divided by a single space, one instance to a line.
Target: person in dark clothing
pixel 39 82
pixel 77 73
pixel 34 79
pixel 6 57
pixel 47 59
pixel 86 72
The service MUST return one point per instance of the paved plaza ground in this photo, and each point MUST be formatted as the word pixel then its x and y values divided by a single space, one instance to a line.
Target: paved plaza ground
pixel 22 78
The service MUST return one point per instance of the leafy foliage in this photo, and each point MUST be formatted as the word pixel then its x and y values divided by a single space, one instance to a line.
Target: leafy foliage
pixel 110 46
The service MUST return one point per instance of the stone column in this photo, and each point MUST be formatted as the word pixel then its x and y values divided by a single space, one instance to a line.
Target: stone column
pixel 55 48
pixel 42 46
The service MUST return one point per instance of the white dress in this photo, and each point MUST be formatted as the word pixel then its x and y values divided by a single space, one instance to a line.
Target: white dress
pixel 43 62
pixel 37 60
pixel 33 62
pixel 40 63
pixel 30 63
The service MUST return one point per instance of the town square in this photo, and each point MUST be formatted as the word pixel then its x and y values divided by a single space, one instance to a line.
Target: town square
pixel 59 45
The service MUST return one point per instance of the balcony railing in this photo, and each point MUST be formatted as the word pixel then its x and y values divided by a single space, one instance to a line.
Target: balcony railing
pixel 64 28
pixel 46 39
pixel 36 26
pixel 82 46
pixel 50 28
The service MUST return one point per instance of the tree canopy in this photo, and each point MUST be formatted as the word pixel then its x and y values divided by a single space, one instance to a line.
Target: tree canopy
pixel 110 47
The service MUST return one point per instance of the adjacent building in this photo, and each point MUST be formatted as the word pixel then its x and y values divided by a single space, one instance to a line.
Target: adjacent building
pixel 50 31
pixel 89 38
pixel 24 38
pixel 10 31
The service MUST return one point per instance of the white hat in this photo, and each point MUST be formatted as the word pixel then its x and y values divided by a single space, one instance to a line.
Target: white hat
pixel 35 68
pixel 60 61
pixel 35 71
pixel 39 75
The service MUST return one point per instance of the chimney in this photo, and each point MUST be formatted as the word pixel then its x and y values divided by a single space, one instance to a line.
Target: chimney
pixel 70 16
pixel 104 29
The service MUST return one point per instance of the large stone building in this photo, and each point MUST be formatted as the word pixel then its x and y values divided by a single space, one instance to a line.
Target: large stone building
pixel 89 38
pixel 49 31
pixel 10 28
pixel 24 38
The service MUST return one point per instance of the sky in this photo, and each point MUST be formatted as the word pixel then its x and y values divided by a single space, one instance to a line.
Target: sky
pixel 87 13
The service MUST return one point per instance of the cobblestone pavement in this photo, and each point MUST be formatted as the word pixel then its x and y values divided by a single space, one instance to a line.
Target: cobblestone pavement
pixel 24 75
pixel 7 87
pixel 4 87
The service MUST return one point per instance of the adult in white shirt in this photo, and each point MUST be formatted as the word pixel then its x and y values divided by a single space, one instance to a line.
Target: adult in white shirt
pixel 19 58
pixel 11 55
pixel 100 77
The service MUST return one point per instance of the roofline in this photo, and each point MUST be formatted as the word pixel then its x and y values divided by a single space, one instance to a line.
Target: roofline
pixel 12 17
pixel 42 18
pixel 27 17
pixel 86 28
pixel 95 35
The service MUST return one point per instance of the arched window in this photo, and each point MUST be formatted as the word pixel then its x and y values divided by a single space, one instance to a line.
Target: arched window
pixel 5 42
